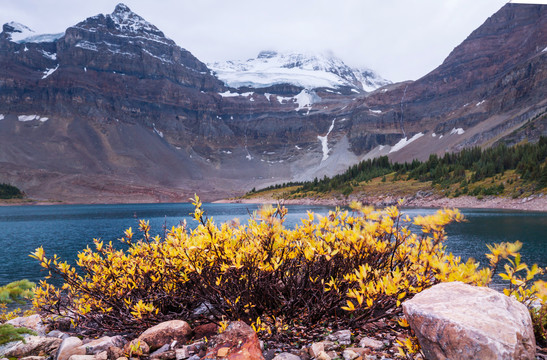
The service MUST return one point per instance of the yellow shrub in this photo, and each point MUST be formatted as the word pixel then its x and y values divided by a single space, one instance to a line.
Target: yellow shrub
pixel 365 262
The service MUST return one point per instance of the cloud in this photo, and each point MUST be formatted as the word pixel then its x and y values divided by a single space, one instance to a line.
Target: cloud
pixel 400 39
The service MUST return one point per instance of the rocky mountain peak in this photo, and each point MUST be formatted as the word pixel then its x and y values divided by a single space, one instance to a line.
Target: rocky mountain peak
pixel 126 20
pixel 266 54
pixel 15 31
pixel 121 8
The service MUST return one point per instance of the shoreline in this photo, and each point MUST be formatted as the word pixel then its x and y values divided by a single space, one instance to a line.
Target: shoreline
pixel 533 203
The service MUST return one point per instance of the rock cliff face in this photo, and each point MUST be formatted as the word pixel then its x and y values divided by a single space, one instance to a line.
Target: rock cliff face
pixel 487 88
pixel 112 110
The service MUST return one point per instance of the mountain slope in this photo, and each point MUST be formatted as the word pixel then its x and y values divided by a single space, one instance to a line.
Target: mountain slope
pixel 487 88
pixel 113 111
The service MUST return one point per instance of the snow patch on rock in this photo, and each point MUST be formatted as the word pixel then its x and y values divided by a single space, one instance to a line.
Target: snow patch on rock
pixel 49 71
pixel 160 134
pixel 20 33
pixel 25 118
pixel 404 142
pixel 458 131
pixel 304 100
pixel 87 45
pixel 49 55
pixel 324 142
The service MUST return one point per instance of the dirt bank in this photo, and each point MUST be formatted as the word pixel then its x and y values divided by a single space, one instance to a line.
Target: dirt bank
pixel 532 203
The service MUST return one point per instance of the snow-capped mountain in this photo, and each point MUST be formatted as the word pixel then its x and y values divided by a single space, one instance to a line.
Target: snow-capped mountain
pixel 307 70
pixel 20 33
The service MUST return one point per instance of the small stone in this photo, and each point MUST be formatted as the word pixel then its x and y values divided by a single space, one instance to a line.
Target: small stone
pixel 70 346
pixel 102 344
pixel 82 357
pixel 205 330
pixel 343 337
pixel 182 353
pixel 115 352
pixel 323 356
pixel 316 348
pixel 34 358
pixel 162 349
pixel 241 341
pixel 362 352
pixel 374 344
pixel 222 352
pixel 349 354
pixel 286 356
pixel 166 333
pixel 166 355
pixel 102 356
pixel 58 334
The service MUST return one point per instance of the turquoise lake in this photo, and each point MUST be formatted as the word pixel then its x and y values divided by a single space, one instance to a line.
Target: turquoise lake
pixel 67 229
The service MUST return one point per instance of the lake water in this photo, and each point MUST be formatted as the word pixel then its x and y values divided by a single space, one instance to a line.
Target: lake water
pixel 67 229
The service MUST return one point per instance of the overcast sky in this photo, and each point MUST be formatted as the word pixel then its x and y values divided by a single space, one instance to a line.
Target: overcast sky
pixel 400 39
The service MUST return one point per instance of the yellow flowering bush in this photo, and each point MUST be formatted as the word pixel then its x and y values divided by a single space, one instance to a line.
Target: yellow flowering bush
pixel 356 266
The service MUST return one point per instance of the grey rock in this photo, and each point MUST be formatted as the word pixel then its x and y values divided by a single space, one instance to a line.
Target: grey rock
pixel 34 346
pixel 343 337
pixel 58 334
pixel 162 349
pixel 374 344
pixel 286 356
pixel 349 354
pixel 70 346
pixel 316 349
pixel 33 322
pixel 102 344
pixel 459 321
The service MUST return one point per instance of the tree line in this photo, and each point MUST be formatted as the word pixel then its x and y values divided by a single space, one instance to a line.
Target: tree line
pixel 8 191
pixel 468 166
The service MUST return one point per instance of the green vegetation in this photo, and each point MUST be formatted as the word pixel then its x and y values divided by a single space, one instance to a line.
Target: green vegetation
pixel 10 333
pixel 10 192
pixel 17 291
pixel 500 170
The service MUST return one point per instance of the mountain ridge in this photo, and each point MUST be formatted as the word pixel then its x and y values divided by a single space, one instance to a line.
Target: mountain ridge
pixel 110 112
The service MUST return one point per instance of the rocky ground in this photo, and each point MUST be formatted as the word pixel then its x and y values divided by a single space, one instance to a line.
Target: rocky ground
pixel 176 340
pixel 451 320
pixel 536 202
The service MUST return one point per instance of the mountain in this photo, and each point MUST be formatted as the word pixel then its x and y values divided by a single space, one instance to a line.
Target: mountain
pixel 305 70
pixel 113 111
pixel 490 88
pixel 20 33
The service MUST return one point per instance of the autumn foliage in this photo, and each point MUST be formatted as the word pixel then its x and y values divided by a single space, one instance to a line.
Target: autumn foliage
pixel 354 267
